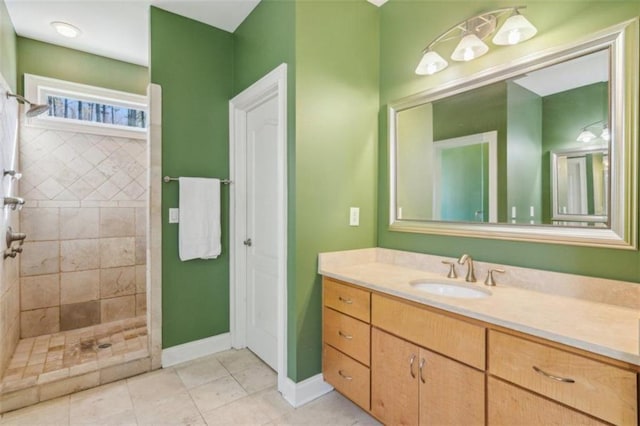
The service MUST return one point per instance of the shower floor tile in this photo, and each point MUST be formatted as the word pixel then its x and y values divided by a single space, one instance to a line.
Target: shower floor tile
pixel 68 353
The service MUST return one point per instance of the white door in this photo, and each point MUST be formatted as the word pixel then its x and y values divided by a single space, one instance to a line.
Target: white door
pixel 262 230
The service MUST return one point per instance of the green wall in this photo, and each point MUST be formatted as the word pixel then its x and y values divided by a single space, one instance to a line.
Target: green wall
pixel 336 151
pixel 193 63
pixel 7 48
pixel 405 28
pixel 563 116
pixel 48 60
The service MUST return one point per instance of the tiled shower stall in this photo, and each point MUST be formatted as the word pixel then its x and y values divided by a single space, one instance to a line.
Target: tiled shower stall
pixel 84 257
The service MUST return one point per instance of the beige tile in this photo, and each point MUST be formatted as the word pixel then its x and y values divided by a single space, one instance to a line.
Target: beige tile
pixel 19 399
pixel 117 222
pixel 117 281
pixel 53 376
pixel 123 371
pixel 39 258
pixel 80 286
pixel 141 221
pixel 272 403
pixel 244 411
pixel 141 250
pixel 117 252
pixel 155 386
pixel 141 278
pixel 79 255
pixel 256 378
pixel 79 223
pixel 238 360
pixel 40 291
pixel 78 315
pixel 141 304
pixel 54 412
pixel 330 409
pixel 39 321
pixel 201 371
pixel 217 393
pixel 108 404
pixel 117 308
pixel 69 385
pixel 39 223
pixel 177 409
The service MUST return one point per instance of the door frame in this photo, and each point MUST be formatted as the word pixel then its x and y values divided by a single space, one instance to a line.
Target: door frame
pixel 274 84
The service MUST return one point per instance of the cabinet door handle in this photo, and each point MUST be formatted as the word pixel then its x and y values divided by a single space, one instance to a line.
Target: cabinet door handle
pixel 551 376
pixel 346 336
pixel 413 358
pixel 343 300
pixel 344 376
pixel 422 363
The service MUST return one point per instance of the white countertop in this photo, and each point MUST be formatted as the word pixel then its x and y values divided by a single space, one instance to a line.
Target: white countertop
pixel 605 329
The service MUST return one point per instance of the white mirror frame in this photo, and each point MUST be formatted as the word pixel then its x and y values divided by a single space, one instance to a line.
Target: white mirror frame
pixel 622 40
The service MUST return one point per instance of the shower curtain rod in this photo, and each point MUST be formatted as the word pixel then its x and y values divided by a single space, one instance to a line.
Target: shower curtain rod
pixel 168 179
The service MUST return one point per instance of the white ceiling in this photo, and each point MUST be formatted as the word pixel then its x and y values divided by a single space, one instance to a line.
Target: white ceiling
pixel 117 29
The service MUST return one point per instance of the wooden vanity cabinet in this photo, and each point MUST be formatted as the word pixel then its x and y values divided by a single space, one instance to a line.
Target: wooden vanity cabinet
pixel 411 385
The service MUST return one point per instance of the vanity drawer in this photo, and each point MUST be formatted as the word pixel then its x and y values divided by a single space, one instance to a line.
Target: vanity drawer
pixel 349 335
pixel 349 377
pixel 349 300
pixel 599 389
pixel 457 339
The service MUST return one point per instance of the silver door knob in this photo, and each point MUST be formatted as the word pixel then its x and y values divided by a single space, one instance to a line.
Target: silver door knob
pixel 248 242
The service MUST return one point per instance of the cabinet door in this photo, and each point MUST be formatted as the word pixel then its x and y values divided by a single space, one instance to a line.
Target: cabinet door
pixel 394 379
pixel 450 393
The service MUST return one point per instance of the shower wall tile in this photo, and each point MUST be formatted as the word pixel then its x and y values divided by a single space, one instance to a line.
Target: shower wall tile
pixel 41 291
pixel 39 321
pixel 141 304
pixel 117 222
pixel 117 281
pixel 141 221
pixel 81 286
pixel 79 255
pixel 117 252
pixel 141 250
pixel 40 224
pixel 141 278
pixel 118 308
pixel 80 222
pixel 39 258
pixel 78 315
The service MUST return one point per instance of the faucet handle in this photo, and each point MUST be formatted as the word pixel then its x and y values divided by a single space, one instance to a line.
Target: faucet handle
pixel 452 269
pixel 490 281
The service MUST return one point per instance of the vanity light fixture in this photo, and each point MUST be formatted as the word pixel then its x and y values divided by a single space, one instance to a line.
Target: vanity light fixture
pixel 590 132
pixel 471 32
pixel 65 29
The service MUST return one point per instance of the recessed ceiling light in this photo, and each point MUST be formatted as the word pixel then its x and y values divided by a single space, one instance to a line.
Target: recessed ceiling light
pixel 65 29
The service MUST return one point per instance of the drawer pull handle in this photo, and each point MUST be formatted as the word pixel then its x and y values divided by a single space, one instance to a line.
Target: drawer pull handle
pixel 422 363
pixel 346 336
pixel 551 376
pixel 343 300
pixel 413 358
pixel 344 376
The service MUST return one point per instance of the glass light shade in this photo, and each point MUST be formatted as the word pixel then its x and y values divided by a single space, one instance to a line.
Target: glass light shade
pixel 605 135
pixel 515 29
pixel 431 63
pixel 586 136
pixel 470 47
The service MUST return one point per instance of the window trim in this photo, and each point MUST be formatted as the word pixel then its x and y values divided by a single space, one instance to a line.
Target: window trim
pixel 37 89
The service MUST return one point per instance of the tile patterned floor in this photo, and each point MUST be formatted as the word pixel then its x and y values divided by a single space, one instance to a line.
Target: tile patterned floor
pixel 75 349
pixel 232 387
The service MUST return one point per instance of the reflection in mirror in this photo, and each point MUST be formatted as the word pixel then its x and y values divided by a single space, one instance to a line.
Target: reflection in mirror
pixel 580 98
pixel 580 185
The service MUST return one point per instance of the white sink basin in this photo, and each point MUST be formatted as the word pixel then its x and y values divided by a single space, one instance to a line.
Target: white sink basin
pixel 448 289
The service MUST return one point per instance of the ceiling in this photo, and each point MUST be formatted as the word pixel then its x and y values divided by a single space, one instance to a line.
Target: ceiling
pixel 117 29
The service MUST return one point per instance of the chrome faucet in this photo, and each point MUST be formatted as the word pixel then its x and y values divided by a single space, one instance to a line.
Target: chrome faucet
pixel 14 202
pixel 471 276
pixel 10 238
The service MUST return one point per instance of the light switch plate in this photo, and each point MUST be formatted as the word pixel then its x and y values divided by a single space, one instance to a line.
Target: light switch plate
pixel 354 216
pixel 174 215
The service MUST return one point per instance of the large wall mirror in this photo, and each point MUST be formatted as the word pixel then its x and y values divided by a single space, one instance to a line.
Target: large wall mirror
pixel 544 149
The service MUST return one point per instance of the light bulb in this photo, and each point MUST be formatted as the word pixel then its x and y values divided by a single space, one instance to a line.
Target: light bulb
pixel 431 63
pixel 514 36
pixel 470 47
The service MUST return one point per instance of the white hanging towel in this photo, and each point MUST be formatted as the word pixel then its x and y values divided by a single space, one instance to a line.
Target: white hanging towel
pixel 199 226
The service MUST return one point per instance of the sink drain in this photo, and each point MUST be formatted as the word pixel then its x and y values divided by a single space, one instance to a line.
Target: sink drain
pixel 104 345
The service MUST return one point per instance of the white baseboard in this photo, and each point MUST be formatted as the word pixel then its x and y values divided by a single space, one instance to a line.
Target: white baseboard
pixel 196 349
pixel 300 393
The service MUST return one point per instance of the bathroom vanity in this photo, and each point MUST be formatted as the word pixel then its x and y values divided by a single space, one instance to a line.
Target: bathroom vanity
pixel 556 355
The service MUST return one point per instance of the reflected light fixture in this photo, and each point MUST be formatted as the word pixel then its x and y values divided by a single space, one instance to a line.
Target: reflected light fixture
pixel 597 129
pixel 471 32
pixel 65 29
